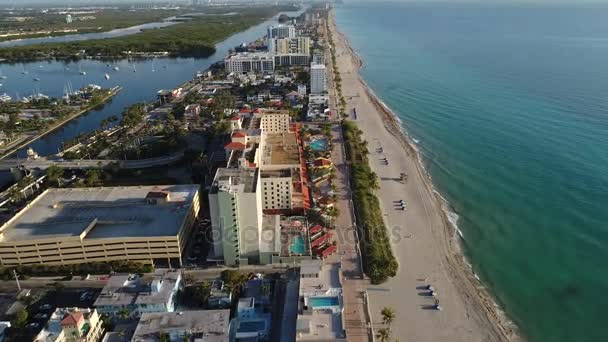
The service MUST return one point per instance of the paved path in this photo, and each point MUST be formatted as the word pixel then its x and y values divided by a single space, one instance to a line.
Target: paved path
pixel 348 253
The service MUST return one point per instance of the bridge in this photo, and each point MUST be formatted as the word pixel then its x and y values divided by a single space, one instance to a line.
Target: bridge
pixel 43 163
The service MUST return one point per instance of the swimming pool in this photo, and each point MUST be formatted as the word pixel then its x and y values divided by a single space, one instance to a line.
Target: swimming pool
pixel 318 144
pixel 297 245
pixel 323 301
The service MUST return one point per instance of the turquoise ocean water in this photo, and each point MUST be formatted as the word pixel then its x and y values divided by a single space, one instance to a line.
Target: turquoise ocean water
pixel 509 104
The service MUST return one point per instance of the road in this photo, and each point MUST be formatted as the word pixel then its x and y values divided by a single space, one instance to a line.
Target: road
pixel 83 164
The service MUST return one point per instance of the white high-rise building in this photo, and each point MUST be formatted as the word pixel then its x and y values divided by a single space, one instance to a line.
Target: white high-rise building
pixel 259 62
pixel 318 79
pixel 68 18
pixel 235 207
pixel 281 31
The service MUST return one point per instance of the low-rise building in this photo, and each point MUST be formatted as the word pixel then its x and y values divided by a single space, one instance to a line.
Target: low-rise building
pixel 202 325
pixel 72 325
pixel 137 295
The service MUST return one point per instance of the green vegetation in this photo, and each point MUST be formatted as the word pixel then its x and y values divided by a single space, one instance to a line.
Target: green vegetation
pixel 133 115
pixel 195 38
pixel 379 261
pixel 53 24
pixel 20 318
pixel 40 270
pixel 54 174
pixel 197 296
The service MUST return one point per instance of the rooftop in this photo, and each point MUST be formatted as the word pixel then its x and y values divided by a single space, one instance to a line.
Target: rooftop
pixel 236 180
pixel 206 325
pixel 321 324
pixel 281 149
pixel 104 212
pixel 132 289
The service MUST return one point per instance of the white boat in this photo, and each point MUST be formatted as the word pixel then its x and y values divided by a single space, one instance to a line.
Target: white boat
pixel 81 71
pixel 106 76
pixel 36 79
pixel 5 98
pixel 116 68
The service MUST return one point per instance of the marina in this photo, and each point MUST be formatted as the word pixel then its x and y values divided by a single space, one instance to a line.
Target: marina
pixel 136 86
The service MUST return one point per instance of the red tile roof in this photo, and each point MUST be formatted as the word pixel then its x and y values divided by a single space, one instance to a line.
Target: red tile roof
pixel 245 110
pixel 321 240
pixel 315 229
pixel 72 319
pixel 235 118
pixel 328 251
pixel 235 146
pixel 239 135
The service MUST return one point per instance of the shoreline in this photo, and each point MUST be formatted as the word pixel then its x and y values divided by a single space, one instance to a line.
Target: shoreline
pixel 474 292
pixel 22 144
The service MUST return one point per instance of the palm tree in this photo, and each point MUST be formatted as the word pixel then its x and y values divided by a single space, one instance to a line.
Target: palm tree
pixel 384 335
pixel 388 315
pixel 54 174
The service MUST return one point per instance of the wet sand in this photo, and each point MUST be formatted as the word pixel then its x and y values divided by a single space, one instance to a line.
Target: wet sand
pixel 424 241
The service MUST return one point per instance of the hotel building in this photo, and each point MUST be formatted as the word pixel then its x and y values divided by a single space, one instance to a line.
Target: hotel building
pixel 283 46
pixel 281 31
pixel 318 79
pixel 235 206
pixel 245 62
pixel 71 226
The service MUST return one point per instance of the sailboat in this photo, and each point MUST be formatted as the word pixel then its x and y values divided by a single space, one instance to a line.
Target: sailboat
pixel 2 77
pixel 23 71
pixel 153 68
pixel 106 76
pixel 134 69
pixel 81 71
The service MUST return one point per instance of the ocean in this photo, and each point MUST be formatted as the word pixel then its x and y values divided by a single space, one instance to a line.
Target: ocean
pixel 509 106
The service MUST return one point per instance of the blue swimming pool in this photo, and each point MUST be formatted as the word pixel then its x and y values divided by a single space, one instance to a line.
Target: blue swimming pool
pixel 297 245
pixel 319 144
pixel 323 301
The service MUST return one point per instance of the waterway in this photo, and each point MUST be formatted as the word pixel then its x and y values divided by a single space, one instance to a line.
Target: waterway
pixel 140 79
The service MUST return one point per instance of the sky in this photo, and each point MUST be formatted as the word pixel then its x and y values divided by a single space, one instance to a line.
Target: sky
pixel 19 3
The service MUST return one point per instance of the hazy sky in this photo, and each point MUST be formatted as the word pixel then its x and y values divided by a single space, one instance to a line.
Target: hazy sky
pixel 19 3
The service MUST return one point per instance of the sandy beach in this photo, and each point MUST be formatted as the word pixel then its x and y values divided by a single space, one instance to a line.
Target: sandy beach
pixel 424 241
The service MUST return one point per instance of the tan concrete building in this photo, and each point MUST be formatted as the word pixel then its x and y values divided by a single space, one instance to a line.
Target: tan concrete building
pixel 275 122
pixel 70 226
